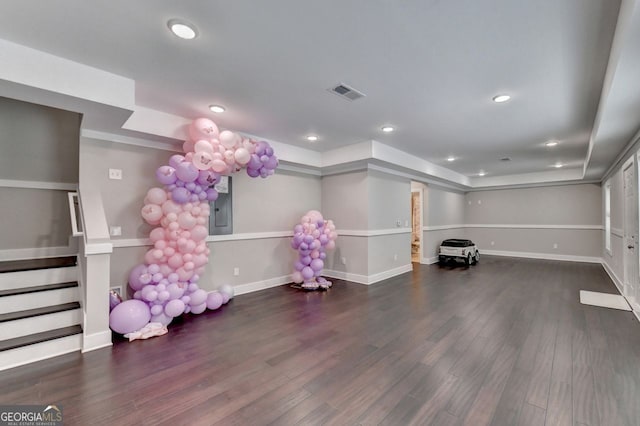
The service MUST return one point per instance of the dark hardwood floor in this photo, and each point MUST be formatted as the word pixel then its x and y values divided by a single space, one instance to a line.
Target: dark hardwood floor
pixel 505 342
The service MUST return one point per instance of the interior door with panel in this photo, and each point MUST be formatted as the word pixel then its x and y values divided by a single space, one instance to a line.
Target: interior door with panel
pixel 631 274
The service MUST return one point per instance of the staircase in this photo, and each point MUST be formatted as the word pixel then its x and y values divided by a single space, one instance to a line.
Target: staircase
pixel 40 313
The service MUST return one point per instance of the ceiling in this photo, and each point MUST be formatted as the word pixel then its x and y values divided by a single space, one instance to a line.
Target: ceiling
pixel 428 67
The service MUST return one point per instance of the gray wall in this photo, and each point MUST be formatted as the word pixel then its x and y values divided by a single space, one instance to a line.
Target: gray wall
pixel 569 205
pixel 389 202
pixel 37 144
pixel 443 209
pixel 345 200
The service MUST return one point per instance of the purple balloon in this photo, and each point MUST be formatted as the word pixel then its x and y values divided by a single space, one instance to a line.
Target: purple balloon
pixel 128 316
pixel 306 260
pixel 317 265
pixel 176 160
pixel 264 173
pixel 308 239
pixel 190 186
pixel 187 172
pixel 114 300
pixel 208 177
pixel 180 195
pixel 272 163
pixel 307 272
pixel 174 308
pixel 253 173
pixel 134 276
pixel 166 175
pixel 323 255
pixel 324 239
pixel 211 194
pixel 269 150
pixel 214 300
pixel 193 198
pixel 203 196
pixel 261 148
pixel 254 162
pixel 179 183
pixel 298 265
pixel 298 229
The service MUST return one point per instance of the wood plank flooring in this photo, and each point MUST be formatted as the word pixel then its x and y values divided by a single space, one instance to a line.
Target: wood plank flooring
pixel 505 342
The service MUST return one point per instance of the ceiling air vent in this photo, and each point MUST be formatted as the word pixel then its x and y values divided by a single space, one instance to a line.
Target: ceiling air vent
pixel 505 159
pixel 346 92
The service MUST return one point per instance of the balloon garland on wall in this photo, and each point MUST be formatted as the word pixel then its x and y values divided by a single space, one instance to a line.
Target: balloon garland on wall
pixel 312 237
pixel 166 284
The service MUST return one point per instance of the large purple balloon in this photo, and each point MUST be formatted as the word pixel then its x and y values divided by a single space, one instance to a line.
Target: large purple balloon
pixel 307 272
pixel 253 172
pixel 180 195
pixel 208 178
pixel 317 265
pixel 129 316
pixel 134 277
pixel 187 172
pixel 214 300
pixel 166 175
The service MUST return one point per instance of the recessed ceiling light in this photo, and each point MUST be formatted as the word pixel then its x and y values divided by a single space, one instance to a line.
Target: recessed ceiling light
pixel 482 173
pixel 551 144
pixel 451 158
pixel 312 138
pixel 182 29
pixel 558 165
pixel 388 129
pixel 501 98
pixel 217 109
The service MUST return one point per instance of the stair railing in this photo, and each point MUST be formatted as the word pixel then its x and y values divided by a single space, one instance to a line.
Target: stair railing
pixel 89 224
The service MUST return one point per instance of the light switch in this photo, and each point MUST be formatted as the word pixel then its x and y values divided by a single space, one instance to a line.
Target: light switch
pixel 115 231
pixel 115 174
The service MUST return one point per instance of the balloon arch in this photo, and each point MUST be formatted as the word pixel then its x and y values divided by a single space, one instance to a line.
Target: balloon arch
pixel 165 285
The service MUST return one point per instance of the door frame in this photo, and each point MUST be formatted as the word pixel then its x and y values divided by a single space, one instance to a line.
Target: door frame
pixel 420 192
pixel 626 257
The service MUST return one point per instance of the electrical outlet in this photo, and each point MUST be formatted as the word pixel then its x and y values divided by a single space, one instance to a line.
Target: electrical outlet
pixel 479 201
pixel 344 260
pixel 395 257
pixel 115 174
pixel 555 245
pixel 236 272
pixel 406 223
pixel 398 223
pixel 115 231
pixel 493 243
pixel 469 202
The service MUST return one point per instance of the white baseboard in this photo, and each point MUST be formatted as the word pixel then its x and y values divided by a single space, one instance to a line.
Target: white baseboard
pixel 93 341
pixel 261 285
pixel 546 256
pixel 618 283
pixel 616 280
pixel 429 260
pixel 368 279
pixel 37 253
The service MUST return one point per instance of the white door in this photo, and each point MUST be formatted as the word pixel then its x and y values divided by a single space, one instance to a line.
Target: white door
pixel 631 278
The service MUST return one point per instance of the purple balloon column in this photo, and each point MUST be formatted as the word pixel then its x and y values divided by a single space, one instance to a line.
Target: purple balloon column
pixel 312 237
pixel 166 284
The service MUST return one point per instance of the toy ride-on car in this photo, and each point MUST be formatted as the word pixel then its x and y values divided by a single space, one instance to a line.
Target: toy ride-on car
pixel 456 249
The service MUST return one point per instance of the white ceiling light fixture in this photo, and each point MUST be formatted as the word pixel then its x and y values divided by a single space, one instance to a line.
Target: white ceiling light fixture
pixel 501 98
pixel 451 158
pixel 558 165
pixel 482 173
pixel 182 29
pixel 551 144
pixel 388 129
pixel 312 138
pixel 217 109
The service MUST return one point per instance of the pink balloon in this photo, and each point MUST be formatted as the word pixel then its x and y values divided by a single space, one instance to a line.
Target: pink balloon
pixel 203 146
pixel 152 213
pixel 219 166
pixel 227 139
pixel 297 277
pixel 242 156
pixel 202 160
pixel 157 234
pixel 175 261
pixel 331 245
pixel 171 206
pixel 186 220
pixel 203 128
pixel 156 196
pixel 199 233
pixel 188 146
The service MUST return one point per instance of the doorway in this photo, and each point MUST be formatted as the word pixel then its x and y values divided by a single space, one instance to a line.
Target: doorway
pixel 416 225
pixel 630 249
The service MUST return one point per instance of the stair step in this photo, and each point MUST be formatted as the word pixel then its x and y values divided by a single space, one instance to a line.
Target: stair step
pixel 40 320
pixel 53 294
pixel 45 336
pixel 12 316
pixel 37 277
pixel 36 289
pixel 38 351
pixel 31 264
